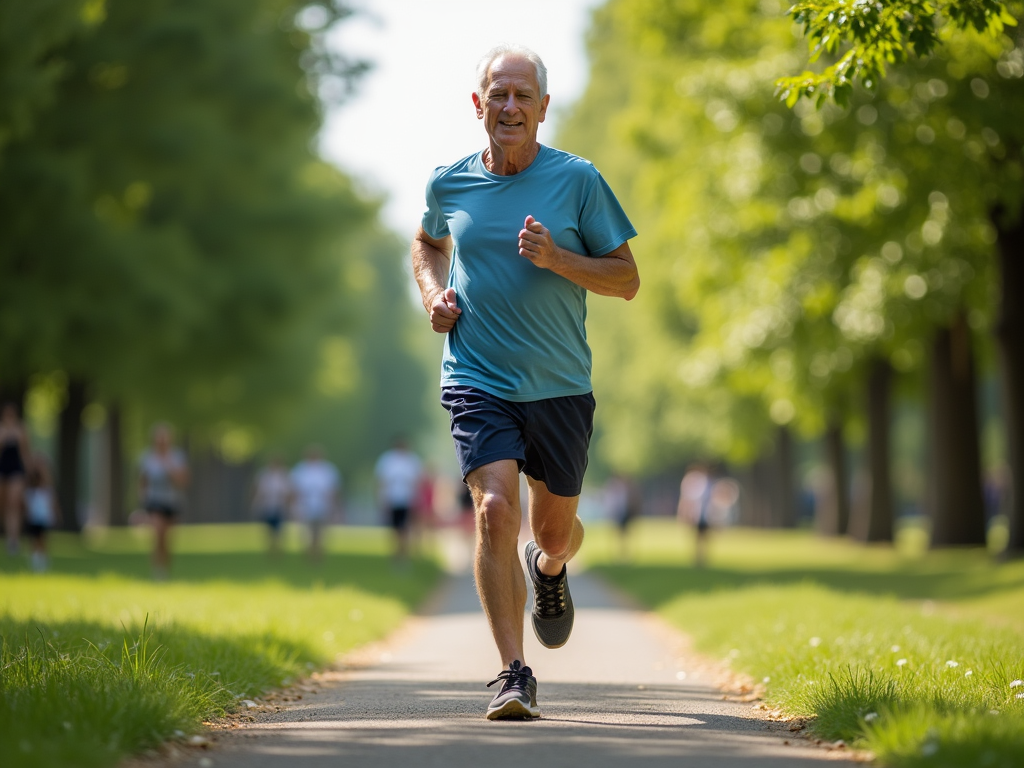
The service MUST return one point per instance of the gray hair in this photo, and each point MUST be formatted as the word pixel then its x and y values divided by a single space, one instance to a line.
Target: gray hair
pixel 483 69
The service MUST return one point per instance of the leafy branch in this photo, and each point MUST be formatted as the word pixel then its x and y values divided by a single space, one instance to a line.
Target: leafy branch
pixel 869 35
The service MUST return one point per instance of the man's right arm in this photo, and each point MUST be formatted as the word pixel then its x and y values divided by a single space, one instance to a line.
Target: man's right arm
pixel 431 260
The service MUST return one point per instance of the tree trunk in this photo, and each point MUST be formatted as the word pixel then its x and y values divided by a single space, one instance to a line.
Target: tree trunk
pixel 873 518
pixel 14 392
pixel 115 466
pixel 783 498
pixel 68 454
pixel 1010 340
pixel 956 500
pixel 832 518
pixel 754 500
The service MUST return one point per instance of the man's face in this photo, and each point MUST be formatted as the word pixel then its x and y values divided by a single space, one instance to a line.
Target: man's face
pixel 511 107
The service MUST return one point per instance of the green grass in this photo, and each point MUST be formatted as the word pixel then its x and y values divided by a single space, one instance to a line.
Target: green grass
pixel 97 661
pixel 908 654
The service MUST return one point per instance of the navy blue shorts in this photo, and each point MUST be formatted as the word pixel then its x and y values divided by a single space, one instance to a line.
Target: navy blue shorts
pixel 398 518
pixel 547 438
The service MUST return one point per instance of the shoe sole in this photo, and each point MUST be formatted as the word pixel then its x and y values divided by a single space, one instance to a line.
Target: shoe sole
pixel 536 631
pixel 513 709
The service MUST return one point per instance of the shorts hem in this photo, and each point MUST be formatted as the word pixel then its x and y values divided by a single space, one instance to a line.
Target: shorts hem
pixel 491 458
pixel 557 491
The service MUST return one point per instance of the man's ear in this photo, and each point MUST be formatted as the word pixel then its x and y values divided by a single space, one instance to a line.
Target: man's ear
pixel 479 106
pixel 544 107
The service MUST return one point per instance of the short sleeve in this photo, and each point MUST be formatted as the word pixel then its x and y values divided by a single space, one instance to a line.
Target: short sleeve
pixel 434 222
pixel 604 226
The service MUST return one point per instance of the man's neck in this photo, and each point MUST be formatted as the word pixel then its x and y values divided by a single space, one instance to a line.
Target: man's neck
pixel 505 162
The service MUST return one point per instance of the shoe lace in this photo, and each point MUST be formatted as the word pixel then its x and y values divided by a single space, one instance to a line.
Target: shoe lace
pixel 515 676
pixel 550 597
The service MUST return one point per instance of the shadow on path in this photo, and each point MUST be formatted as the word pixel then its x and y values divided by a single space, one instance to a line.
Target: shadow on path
pixel 618 692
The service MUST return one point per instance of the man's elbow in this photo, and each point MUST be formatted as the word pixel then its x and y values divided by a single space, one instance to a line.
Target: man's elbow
pixel 632 289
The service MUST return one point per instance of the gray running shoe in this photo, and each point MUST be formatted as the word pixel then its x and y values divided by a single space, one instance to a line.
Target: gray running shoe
pixel 552 604
pixel 517 699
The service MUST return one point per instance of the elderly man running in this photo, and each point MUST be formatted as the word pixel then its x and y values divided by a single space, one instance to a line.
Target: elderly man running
pixel 512 239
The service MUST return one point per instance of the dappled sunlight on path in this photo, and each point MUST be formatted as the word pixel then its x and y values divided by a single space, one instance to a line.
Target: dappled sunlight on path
pixel 622 689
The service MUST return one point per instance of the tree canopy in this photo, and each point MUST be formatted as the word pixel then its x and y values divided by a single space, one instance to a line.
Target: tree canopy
pixel 782 250
pixel 867 37
pixel 171 236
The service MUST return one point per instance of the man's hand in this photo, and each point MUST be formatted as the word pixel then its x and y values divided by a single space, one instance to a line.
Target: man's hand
pixel 536 244
pixel 611 274
pixel 444 311
pixel 431 261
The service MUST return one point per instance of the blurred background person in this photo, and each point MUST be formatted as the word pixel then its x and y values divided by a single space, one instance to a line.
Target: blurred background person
pixel 163 475
pixel 424 508
pixel 272 493
pixel 41 510
pixel 14 458
pixel 398 472
pixel 623 499
pixel 695 508
pixel 315 485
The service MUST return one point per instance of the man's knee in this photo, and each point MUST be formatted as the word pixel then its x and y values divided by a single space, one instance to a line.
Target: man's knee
pixel 560 543
pixel 498 518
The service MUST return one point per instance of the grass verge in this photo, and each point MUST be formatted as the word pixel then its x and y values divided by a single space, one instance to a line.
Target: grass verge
pixel 97 661
pixel 916 657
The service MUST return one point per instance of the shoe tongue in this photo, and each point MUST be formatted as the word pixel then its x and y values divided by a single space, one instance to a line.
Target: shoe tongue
pixel 517 666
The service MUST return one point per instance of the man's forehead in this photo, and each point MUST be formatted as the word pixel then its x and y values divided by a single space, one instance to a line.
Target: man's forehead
pixel 512 70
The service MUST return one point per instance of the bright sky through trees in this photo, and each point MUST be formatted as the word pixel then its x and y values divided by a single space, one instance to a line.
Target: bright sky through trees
pixel 412 111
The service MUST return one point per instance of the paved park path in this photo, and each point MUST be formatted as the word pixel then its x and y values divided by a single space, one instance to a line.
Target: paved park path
pixel 619 693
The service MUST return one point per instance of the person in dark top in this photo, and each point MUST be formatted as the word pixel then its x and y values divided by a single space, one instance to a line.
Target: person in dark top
pixel 14 460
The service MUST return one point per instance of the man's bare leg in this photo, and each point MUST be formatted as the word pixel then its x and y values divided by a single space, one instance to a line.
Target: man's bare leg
pixel 500 581
pixel 556 528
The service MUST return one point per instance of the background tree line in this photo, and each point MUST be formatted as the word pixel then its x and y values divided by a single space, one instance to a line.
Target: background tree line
pixel 802 264
pixel 172 245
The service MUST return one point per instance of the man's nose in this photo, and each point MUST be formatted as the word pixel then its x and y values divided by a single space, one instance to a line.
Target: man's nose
pixel 511 105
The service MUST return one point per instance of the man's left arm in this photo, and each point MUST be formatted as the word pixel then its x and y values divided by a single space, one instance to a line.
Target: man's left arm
pixel 612 274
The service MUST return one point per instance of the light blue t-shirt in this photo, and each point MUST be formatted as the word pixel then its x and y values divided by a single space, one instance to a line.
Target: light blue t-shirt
pixel 521 334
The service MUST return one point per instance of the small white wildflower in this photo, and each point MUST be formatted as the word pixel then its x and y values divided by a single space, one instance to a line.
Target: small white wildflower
pixel 901 663
pixel 766 680
pixel 951 664
pixel 1020 695
pixel 968 673
pixel 870 717
pixel 993 711
pixel 1017 683
pixel 895 649
pixel 815 642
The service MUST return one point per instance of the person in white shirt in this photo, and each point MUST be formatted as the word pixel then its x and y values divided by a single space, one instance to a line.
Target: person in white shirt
pixel 270 500
pixel 315 485
pixel 163 476
pixel 41 510
pixel 398 474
